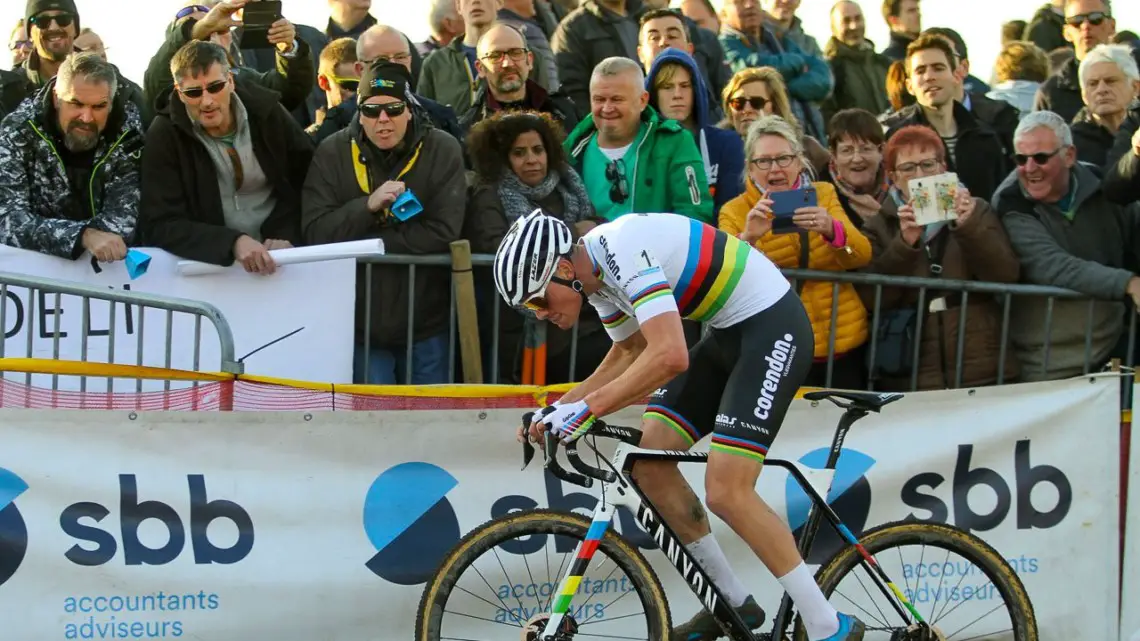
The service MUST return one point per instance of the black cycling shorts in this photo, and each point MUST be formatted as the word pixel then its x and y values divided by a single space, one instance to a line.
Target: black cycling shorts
pixel 741 381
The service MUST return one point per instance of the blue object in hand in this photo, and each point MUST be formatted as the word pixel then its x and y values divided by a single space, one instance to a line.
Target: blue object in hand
pixel 137 262
pixel 406 206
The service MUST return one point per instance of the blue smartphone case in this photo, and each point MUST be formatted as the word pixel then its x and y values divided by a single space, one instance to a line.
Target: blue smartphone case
pixel 785 204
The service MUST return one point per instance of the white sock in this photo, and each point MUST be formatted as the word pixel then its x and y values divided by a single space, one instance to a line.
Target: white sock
pixel 708 553
pixel 820 619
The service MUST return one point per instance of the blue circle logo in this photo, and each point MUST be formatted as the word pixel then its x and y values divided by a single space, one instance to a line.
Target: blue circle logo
pixel 13 531
pixel 850 497
pixel 410 522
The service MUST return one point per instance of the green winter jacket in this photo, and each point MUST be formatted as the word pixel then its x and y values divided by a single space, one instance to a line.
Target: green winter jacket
pixel 667 175
pixel 860 78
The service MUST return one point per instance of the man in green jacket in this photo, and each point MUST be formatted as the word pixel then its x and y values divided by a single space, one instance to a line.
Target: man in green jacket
pixel 860 71
pixel 631 160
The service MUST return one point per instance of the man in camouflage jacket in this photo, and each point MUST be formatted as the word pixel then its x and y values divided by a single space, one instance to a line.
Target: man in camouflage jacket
pixel 69 183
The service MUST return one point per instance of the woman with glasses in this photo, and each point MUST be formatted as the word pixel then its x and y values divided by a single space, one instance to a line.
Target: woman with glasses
pixel 974 246
pixel 520 166
pixel 20 45
pixel 811 237
pixel 856 168
pixel 760 91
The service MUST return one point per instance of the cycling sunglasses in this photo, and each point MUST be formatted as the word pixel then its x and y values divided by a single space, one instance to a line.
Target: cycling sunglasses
pixel 214 88
pixel 619 187
pixel 62 20
pixel 538 302
pixel 348 84
pixel 756 102
pixel 1039 158
pixel 373 110
pixel 1095 18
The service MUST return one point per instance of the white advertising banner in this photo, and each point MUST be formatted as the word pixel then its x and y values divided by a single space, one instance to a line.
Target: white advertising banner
pixel 316 298
pixel 1130 612
pixel 296 527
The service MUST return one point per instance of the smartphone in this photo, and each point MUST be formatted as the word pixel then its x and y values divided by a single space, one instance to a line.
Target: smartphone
pixel 785 204
pixel 256 18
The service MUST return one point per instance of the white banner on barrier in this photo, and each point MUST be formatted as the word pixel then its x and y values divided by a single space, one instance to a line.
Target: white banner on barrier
pixel 298 527
pixel 1130 613
pixel 318 297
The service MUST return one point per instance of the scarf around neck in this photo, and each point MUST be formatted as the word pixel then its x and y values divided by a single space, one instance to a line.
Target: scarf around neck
pixel 879 192
pixel 520 199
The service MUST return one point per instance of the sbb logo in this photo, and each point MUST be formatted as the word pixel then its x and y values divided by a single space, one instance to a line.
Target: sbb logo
pixel 133 512
pixel 13 531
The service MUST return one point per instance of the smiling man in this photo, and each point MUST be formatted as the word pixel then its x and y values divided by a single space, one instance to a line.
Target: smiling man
pixel 1068 235
pixel 631 159
pixel 974 150
pixel 223 166
pixel 69 166
pixel 860 72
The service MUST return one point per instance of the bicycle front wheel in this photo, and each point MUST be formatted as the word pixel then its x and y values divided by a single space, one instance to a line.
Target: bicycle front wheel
pixel 501 580
pixel 959 585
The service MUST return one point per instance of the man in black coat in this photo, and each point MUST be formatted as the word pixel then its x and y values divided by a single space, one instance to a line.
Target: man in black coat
pixel 223 166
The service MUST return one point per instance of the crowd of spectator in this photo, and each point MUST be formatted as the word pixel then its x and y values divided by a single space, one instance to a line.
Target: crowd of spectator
pixel 238 144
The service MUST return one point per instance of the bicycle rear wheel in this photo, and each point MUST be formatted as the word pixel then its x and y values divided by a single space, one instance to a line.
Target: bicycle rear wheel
pixel 531 535
pixel 932 583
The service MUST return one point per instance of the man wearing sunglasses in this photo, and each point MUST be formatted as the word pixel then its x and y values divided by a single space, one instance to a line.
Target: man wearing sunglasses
pixel 223 166
pixel 338 78
pixel 358 174
pixel 1088 24
pixel 1067 234
pixel 69 166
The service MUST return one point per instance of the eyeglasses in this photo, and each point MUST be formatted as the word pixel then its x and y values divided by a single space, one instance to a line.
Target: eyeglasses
pixel 849 151
pixel 1039 158
pixel 756 102
pixel 373 110
pixel 196 92
pixel 518 54
pixel 619 189
pixel 192 9
pixel 927 166
pixel 44 21
pixel 20 44
pixel 348 84
pixel 1094 18
pixel 398 58
pixel 764 163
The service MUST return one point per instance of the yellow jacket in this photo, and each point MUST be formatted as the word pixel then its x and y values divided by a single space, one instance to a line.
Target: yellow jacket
pixel 784 250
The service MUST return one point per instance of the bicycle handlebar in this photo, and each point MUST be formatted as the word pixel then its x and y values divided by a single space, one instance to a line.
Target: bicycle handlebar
pixel 586 474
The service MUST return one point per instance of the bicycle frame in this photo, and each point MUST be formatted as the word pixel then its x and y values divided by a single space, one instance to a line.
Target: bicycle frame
pixel 622 491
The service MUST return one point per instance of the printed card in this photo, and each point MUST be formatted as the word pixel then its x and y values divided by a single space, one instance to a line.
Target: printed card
pixel 933 198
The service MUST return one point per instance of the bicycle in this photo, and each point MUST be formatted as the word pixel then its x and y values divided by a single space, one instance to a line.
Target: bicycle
pixel 519 531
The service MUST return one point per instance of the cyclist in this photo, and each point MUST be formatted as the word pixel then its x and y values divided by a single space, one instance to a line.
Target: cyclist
pixel 644 273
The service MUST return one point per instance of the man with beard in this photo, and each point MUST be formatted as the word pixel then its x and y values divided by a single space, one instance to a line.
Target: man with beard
pixel 504 65
pixel 52 26
pixel 69 165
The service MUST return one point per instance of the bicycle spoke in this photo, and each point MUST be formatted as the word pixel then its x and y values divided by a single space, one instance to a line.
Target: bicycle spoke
pixel 472 616
pixel 949 636
pixel 616 568
pixel 871 598
pixel 861 609
pixel 557 579
pixel 508 577
pixel 607 606
pixel 988 634
pixel 457 639
pixel 942 612
pixel 502 603
pixel 597 621
pixel 530 575
pixel 610 636
pixel 941 577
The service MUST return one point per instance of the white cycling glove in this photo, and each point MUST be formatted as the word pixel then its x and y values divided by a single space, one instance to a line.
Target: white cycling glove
pixel 568 422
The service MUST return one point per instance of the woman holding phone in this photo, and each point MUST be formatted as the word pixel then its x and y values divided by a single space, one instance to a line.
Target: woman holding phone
pixel 816 236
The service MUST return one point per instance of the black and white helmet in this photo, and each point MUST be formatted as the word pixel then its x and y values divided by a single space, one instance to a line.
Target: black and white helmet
pixel 528 256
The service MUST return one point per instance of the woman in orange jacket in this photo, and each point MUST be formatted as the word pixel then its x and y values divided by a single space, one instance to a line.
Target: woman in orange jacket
pixel 822 238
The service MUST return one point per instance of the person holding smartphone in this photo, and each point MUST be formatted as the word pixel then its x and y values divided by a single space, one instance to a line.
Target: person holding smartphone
pixel 817 235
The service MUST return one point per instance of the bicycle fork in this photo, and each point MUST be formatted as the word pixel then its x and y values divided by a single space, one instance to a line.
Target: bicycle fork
pixel 568 586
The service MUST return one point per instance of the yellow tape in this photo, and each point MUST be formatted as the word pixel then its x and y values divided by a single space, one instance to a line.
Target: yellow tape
pixel 104 370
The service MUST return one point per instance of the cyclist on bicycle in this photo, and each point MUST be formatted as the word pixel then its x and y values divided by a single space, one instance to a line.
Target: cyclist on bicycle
pixel 644 273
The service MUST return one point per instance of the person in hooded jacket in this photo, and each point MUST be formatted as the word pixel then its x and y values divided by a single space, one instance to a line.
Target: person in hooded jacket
pixel 358 173
pixel 677 91
pixel 222 167
pixel 69 165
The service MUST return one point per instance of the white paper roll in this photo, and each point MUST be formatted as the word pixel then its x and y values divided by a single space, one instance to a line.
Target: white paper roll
pixel 295 255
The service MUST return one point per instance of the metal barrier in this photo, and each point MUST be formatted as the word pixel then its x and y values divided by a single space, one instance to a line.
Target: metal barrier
pixel 134 305
pixel 1005 292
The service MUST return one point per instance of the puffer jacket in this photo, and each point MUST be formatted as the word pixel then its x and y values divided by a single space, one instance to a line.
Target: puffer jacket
pixel 978 249
pixel 39 210
pixel 785 250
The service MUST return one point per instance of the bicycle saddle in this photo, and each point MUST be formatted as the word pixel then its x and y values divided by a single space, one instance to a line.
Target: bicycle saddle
pixel 870 401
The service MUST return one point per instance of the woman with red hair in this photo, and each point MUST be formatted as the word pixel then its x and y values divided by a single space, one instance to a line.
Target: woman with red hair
pixel 974 246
